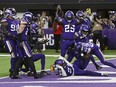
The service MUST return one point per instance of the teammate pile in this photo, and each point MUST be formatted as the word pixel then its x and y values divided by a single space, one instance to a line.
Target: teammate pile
pixel 75 42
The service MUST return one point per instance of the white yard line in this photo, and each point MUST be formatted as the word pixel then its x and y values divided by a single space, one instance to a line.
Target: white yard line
pixel 4 77
pixel 5 55
pixel 105 80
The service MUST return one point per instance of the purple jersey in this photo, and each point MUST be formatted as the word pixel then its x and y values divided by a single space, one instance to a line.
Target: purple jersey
pixel 13 26
pixel 68 29
pixel 80 66
pixel 85 21
pixel 81 38
pixel 69 70
pixel 26 30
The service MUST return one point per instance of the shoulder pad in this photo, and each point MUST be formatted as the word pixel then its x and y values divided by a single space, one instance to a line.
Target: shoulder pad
pixel 4 20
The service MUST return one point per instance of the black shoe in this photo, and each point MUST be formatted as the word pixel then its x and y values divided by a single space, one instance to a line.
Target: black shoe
pixel 15 77
pixel 44 73
pixel 98 67
pixel 29 73
pixel 11 72
pixel 36 76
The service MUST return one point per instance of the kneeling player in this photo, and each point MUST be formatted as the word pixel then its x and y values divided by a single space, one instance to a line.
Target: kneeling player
pixel 35 57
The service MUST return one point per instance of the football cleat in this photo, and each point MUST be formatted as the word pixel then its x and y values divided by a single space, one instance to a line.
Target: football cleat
pixel 11 72
pixel 15 76
pixel 36 76
pixel 98 67
pixel 105 74
pixel 29 73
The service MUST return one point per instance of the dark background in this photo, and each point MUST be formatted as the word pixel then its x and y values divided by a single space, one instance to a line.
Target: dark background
pixel 37 6
pixel 53 1
pixel 24 5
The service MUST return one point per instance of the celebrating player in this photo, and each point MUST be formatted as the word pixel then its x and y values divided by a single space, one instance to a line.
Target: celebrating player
pixel 81 36
pixel 23 43
pixel 9 27
pixel 68 32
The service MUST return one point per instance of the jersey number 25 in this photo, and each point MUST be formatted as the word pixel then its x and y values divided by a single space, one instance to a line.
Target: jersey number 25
pixel 69 28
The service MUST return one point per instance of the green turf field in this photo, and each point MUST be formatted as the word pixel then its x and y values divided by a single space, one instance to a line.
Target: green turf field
pixel 5 60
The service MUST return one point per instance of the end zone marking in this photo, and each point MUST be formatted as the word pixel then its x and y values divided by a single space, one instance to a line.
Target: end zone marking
pixel 33 86
pixel 112 80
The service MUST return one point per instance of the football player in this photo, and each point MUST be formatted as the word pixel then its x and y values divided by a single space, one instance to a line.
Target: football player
pixel 35 57
pixel 35 39
pixel 23 42
pixel 83 19
pixel 88 49
pixel 9 27
pixel 68 23
pixel 64 68
pixel 81 36
pixel 97 52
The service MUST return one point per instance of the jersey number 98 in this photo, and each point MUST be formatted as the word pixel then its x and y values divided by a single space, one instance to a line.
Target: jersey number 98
pixel 14 27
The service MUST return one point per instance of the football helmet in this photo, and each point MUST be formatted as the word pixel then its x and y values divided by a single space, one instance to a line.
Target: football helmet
pixel 84 30
pixel 36 17
pixel 63 67
pixel 58 67
pixel 10 12
pixel 60 62
pixel 80 14
pixel 34 26
pixel 28 16
pixel 69 15
pixel 13 11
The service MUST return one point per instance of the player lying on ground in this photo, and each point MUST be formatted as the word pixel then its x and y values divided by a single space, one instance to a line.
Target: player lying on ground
pixel 64 68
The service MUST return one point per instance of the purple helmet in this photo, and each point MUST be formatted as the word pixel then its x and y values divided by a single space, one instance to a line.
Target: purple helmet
pixel 84 30
pixel 10 12
pixel 60 62
pixel 80 14
pixel 28 16
pixel 34 26
pixel 69 15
